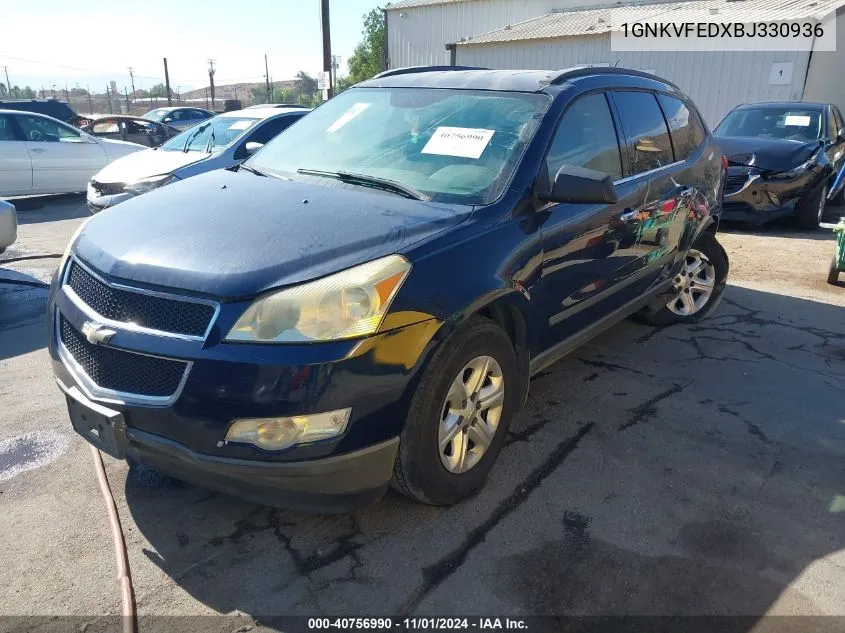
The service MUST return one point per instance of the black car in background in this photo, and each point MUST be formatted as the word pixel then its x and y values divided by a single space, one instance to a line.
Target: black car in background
pixel 51 107
pixel 782 159
pixel 364 300
pixel 134 129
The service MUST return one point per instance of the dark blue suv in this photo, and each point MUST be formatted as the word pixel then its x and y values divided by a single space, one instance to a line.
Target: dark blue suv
pixel 364 300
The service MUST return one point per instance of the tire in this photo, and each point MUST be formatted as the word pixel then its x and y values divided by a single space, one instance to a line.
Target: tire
pixel 811 210
pixel 419 471
pixel 709 249
pixel 833 273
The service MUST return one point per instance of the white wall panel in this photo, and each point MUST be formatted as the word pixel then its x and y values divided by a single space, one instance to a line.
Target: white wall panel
pixel 716 81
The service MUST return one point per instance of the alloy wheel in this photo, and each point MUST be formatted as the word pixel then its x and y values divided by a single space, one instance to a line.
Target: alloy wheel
pixel 694 284
pixel 471 414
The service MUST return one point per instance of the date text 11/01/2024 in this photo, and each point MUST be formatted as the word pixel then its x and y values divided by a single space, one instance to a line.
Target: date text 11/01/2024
pixel 417 623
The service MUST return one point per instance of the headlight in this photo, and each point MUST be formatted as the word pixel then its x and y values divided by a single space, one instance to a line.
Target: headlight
pixel 148 184
pixel 795 172
pixel 348 304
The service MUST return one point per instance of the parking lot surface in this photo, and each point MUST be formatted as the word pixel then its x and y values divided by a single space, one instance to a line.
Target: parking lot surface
pixel 681 471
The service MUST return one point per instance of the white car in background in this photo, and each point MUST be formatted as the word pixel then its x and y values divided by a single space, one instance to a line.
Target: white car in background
pixel 221 142
pixel 42 155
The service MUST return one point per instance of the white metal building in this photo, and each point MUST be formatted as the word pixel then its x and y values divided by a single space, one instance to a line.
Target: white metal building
pixel 543 34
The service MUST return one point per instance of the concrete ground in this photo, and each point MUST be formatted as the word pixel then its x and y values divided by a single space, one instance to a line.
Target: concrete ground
pixel 684 471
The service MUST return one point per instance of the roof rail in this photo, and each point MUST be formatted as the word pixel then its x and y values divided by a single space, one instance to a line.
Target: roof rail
pixel 423 69
pixel 560 76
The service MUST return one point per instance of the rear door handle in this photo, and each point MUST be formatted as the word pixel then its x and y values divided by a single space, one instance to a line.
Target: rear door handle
pixel 37 150
pixel 628 216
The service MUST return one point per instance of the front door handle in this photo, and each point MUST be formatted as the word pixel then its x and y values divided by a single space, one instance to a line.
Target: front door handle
pixel 628 216
pixel 37 150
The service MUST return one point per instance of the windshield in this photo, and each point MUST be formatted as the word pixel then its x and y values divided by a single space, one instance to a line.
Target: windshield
pixel 213 135
pixel 452 145
pixel 788 123
pixel 155 115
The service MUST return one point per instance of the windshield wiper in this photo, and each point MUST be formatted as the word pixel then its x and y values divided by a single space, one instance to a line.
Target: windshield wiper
pixel 210 145
pixel 365 180
pixel 251 170
pixel 198 131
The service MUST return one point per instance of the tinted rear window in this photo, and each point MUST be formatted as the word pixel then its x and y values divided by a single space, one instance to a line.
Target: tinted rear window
pixel 648 141
pixel 686 129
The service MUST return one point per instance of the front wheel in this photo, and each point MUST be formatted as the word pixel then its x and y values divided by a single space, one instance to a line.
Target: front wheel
pixel 811 210
pixel 699 284
pixel 458 416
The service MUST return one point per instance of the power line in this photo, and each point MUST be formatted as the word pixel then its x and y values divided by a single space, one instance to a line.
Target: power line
pixel 86 70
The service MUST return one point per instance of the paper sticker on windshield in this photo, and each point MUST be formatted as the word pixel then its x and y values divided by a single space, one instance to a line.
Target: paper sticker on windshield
pixel 795 119
pixel 353 111
pixel 241 125
pixel 465 142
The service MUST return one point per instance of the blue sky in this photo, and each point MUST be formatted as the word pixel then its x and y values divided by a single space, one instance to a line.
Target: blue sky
pixel 89 42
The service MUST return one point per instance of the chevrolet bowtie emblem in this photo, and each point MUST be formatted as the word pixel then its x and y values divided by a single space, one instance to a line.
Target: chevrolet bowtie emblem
pixel 97 332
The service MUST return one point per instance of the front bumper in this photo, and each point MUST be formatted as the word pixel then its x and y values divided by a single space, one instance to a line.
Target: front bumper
pixel 183 436
pixel 761 200
pixel 97 202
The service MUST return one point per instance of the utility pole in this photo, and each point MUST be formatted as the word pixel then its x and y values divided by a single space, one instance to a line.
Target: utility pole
pixel 206 98
pixel 108 96
pixel 126 94
pixel 327 42
pixel 178 93
pixel 90 105
pixel 9 85
pixel 167 83
pixel 132 79
pixel 67 95
pixel 266 77
pixel 54 91
pixel 211 80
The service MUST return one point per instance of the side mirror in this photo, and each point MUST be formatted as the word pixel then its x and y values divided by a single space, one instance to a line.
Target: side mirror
pixel 251 148
pixel 581 186
pixel 167 119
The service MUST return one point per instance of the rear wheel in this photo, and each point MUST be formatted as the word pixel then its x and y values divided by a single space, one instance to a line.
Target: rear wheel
pixel 459 415
pixel 811 210
pixel 699 284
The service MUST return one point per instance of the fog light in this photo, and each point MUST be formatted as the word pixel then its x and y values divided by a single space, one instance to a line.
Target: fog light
pixel 277 433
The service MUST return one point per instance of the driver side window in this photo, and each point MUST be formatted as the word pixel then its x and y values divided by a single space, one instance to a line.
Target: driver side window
pixel 586 137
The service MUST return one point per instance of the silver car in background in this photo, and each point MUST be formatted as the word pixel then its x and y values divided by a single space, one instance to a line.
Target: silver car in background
pixel 179 117
pixel 8 225
pixel 221 142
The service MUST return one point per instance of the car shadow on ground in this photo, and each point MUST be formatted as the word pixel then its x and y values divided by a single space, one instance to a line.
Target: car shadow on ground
pixel 33 209
pixel 23 301
pixel 698 470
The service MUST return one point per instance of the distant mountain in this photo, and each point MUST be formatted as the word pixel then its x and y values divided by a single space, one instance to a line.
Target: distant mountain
pixel 233 91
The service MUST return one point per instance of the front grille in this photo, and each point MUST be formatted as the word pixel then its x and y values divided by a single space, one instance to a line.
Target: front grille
pixel 735 182
pixel 107 188
pixel 148 311
pixel 122 371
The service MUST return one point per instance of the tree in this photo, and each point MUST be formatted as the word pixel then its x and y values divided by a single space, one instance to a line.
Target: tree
pixel 368 58
pixel 159 90
pixel 3 90
pixel 305 84
pixel 26 93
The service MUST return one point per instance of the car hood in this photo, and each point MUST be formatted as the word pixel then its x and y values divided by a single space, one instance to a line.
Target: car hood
pixel 234 234
pixel 766 153
pixel 141 164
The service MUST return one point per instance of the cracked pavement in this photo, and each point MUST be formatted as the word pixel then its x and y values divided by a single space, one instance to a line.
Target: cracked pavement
pixel 686 470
